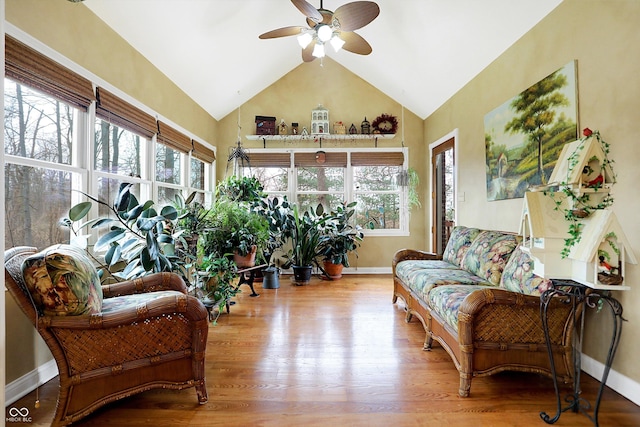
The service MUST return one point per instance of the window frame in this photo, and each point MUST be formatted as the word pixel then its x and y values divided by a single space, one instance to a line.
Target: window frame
pixel 349 190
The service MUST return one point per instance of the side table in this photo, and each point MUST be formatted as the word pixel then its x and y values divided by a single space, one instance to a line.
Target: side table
pixel 580 297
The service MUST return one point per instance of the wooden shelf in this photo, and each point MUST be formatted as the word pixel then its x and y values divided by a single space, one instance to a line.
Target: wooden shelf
pixel 329 137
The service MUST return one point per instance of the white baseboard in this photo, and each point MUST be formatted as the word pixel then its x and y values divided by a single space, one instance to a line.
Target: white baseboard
pixel 616 381
pixel 28 382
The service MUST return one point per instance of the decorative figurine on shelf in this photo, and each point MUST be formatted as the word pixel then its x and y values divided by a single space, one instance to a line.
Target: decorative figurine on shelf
pixel 353 130
pixel 320 121
pixel 305 132
pixel 282 129
pixel 365 127
pixel 294 128
pixel 339 128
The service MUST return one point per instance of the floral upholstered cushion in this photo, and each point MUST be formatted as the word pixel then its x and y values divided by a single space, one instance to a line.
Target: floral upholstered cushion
pixel 458 244
pixel 488 254
pixel 422 279
pixel 446 300
pixel 63 281
pixel 518 275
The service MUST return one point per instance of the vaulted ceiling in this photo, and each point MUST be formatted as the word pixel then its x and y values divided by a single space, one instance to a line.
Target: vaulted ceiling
pixel 424 51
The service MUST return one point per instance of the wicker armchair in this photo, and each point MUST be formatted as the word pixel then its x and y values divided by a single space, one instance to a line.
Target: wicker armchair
pixel 149 334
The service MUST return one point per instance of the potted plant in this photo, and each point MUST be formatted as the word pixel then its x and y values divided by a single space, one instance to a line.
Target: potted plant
pixel 136 234
pixel 215 277
pixel 341 238
pixel 240 189
pixel 234 228
pixel 306 237
pixel 191 222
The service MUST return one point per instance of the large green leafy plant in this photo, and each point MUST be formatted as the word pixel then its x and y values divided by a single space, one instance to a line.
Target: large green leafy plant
pixel 340 237
pixel 306 235
pixel 134 234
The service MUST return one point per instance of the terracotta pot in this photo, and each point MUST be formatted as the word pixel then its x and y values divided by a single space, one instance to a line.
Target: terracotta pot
pixel 246 261
pixel 334 271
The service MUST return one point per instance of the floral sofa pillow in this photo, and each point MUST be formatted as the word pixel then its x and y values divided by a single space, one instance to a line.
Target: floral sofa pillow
pixel 518 275
pixel 488 254
pixel 458 244
pixel 63 281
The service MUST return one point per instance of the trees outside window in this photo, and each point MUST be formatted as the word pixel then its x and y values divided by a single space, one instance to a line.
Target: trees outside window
pixel 381 203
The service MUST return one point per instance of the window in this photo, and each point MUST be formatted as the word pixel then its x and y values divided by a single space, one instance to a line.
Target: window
pixel 50 159
pixel 39 142
pixel 329 177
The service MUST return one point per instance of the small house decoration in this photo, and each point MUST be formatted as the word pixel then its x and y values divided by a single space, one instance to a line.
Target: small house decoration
pixel 353 130
pixel 294 128
pixel 305 132
pixel 543 229
pixel 283 128
pixel 365 127
pixel 600 255
pixel 567 226
pixel 320 121
pixel 265 125
pixel 339 128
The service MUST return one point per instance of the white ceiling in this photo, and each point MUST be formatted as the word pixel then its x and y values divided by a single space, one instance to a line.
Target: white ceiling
pixel 424 51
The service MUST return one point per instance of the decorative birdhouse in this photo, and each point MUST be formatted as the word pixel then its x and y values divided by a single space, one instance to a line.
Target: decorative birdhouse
pixel 365 127
pixel 544 229
pixel 598 259
pixel 568 229
pixel 320 121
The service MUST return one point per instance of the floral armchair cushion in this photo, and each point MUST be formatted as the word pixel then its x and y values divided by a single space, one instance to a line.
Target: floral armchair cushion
pixel 518 275
pixel 488 254
pixel 458 244
pixel 63 281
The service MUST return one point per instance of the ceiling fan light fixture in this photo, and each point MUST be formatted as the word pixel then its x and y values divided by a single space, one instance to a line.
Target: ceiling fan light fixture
pixel 324 32
pixel 318 50
pixel 336 42
pixel 304 39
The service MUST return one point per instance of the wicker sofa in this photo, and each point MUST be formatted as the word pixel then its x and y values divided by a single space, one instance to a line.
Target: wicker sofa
pixel 481 302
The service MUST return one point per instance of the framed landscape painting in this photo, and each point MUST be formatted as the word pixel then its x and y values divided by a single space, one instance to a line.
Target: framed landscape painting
pixel 524 136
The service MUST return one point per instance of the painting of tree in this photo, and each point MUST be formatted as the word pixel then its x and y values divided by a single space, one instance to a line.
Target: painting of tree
pixel 524 136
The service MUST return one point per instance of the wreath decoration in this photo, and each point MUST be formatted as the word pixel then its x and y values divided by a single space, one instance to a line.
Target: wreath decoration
pixel 388 118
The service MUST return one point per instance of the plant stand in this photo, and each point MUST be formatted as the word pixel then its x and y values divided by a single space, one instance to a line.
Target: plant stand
pixel 247 277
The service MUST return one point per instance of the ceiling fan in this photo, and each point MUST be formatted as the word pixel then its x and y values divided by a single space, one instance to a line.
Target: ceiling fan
pixel 335 28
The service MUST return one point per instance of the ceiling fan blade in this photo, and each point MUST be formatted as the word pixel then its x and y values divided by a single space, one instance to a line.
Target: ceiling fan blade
pixel 307 53
pixel 308 10
pixel 357 14
pixel 355 43
pixel 282 32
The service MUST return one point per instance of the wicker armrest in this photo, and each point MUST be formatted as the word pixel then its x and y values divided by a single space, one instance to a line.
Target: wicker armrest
pixel 413 254
pixel 149 283
pixel 515 315
pixel 170 304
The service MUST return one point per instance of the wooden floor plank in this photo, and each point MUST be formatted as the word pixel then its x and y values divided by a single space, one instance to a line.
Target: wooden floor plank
pixel 336 354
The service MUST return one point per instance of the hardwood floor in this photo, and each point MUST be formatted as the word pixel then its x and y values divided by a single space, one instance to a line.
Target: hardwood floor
pixel 336 354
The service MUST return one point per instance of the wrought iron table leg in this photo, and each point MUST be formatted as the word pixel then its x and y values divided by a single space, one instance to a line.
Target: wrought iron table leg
pixel 577 296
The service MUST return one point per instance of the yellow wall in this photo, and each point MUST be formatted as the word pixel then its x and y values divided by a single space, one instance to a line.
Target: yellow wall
pixel 349 99
pixel 603 36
